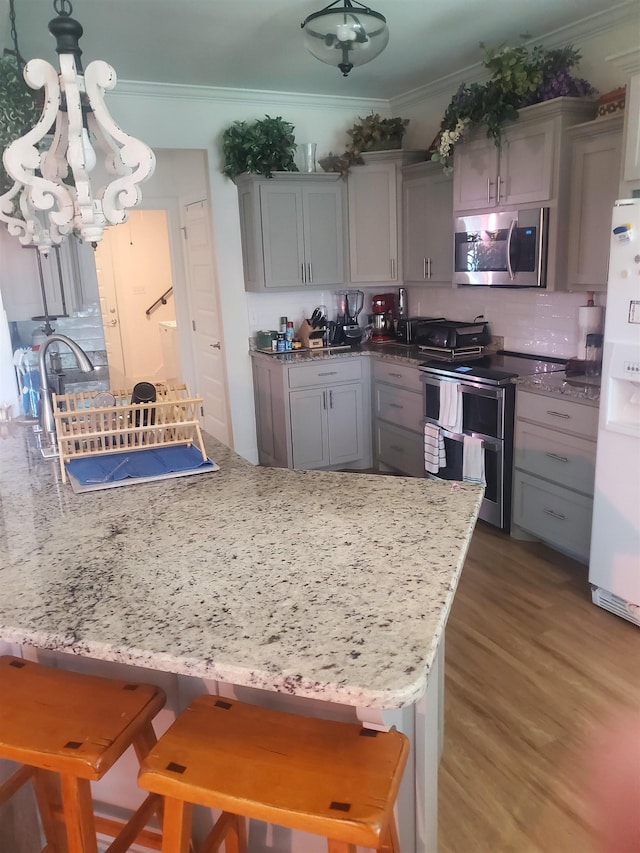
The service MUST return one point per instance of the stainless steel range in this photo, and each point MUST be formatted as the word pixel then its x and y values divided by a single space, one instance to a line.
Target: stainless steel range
pixel 487 398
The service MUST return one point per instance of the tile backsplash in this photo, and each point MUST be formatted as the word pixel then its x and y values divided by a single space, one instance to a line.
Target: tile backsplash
pixel 528 320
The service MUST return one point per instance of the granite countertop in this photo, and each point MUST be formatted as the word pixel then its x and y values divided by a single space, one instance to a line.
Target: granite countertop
pixel 389 351
pixel 328 585
pixel 584 389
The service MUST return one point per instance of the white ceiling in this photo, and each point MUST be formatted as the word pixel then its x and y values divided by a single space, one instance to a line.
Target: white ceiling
pixel 257 44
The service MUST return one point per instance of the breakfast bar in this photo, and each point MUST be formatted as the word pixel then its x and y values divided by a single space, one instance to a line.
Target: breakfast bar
pixel 320 592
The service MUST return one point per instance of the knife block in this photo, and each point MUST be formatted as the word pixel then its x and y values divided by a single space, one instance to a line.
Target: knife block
pixel 310 337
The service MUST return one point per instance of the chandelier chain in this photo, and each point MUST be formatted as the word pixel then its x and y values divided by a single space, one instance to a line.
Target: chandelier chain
pixel 14 36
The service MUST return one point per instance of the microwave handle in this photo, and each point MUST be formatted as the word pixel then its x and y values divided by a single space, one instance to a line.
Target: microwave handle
pixel 509 239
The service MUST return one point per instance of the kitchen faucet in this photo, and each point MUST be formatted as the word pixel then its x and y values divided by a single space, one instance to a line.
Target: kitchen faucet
pixel 47 422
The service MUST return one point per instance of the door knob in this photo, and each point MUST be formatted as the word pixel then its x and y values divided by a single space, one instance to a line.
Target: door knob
pixel 216 345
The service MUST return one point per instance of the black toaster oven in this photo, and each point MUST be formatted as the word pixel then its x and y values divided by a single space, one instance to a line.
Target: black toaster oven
pixel 451 334
pixel 407 327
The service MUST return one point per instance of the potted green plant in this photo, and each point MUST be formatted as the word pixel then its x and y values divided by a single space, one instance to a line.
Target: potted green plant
pixel 18 109
pixel 371 133
pixel 520 76
pixel 260 147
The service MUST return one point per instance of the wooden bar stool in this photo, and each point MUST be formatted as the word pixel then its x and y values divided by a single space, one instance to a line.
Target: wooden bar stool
pixel 66 729
pixel 333 779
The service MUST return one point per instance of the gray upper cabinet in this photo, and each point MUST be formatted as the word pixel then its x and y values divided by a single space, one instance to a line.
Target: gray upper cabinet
pixel 291 228
pixel 596 155
pixel 526 168
pixel 428 225
pixel 374 193
pixel 373 223
pixel 631 162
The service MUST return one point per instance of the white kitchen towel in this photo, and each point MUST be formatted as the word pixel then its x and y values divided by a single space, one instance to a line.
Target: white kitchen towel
pixel 450 416
pixel 434 456
pixel 473 460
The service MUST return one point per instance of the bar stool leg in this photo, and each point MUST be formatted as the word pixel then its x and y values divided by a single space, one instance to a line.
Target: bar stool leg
pixel 236 840
pixel 143 744
pixel 390 840
pixel 47 790
pixel 340 846
pixel 176 828
pixel 78 812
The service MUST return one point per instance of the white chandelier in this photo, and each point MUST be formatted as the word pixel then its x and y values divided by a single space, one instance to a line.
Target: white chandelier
pixel 52 163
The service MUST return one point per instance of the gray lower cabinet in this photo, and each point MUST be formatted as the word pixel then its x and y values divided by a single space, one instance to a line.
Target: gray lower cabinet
pixel 397 418
pixel 554 469
pixel 313 415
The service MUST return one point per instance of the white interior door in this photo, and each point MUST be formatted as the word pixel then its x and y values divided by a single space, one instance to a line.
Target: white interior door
pixel 108 296
pixel 206 322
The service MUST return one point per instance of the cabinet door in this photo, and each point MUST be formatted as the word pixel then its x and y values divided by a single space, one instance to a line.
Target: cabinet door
pixel 309 428
pixel 631 167
pixel 282 235
pixel 526 164
pixel 439 230
pixel 373 223
pixel 475 172
pixel 414 225
pixel 346 423
pixel 323 235
pixel 399 449
pixel 554 514
pixel 595 173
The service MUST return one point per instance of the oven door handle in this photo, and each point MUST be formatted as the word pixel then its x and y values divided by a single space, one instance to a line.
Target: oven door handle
pixel 487 443
pixel 509 239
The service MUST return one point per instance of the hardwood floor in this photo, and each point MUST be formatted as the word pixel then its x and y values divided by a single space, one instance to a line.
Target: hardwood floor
pixel 533 670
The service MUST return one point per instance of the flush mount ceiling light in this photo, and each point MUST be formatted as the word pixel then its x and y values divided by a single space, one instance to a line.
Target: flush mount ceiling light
pixel 52 163
pixel 345 35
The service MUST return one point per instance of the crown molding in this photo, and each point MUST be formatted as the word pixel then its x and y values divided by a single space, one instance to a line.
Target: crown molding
pixel 628 60
pixel 580 31
pixel 248 97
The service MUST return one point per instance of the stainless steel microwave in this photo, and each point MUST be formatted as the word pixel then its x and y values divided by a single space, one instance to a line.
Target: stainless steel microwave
pixel 502 249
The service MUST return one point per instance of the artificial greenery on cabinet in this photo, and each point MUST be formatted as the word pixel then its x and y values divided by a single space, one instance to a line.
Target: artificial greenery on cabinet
pixel 260 147
pixel 520 77
pixel 18 109
pixel 371 133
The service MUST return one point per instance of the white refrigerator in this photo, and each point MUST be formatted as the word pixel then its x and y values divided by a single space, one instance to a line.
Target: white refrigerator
pixel 614 564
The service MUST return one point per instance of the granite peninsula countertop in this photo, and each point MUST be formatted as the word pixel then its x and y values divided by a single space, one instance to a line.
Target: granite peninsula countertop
pixel 333 586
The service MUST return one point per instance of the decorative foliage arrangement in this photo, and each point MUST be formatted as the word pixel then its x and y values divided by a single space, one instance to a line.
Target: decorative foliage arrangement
pixel 262 147
pixel 18 109
pixel 520 76
pixel 372 133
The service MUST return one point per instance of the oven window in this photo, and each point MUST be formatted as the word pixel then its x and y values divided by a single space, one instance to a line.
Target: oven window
pixel 454 451
pixel 481 414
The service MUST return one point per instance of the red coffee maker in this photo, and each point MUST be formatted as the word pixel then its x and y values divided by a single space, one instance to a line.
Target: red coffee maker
pixel 383 314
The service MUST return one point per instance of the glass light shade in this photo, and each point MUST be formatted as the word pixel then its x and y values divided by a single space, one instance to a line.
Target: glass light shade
pixel 345 36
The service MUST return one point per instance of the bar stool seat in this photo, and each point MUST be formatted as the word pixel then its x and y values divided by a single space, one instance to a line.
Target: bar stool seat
pixel 53 721
pixel 334 779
